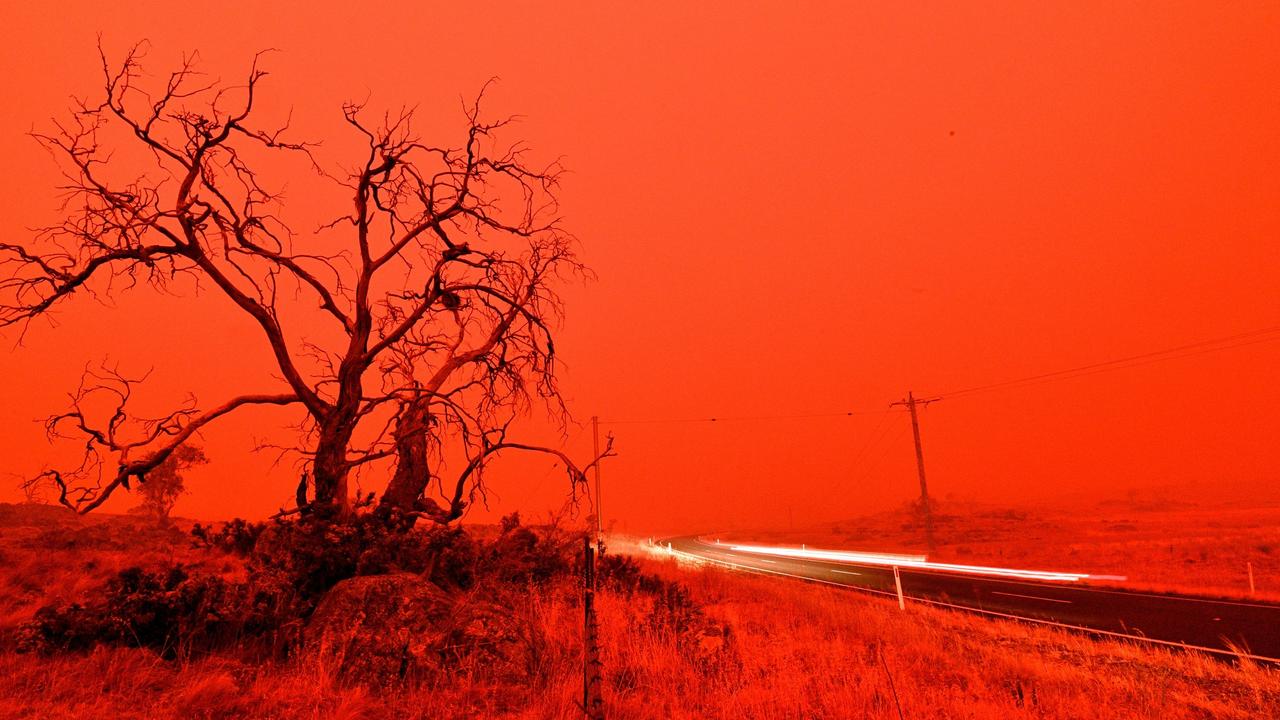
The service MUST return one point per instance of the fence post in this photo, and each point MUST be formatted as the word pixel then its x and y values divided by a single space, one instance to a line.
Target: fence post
pixel 592 700
pixel 897 581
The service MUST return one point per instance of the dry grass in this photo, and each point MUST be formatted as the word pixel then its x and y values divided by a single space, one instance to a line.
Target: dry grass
pixel 1161 546
pixel 50 554
pixel 793 651
pixel 803 650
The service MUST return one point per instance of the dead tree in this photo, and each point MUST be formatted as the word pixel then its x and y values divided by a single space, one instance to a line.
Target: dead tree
pixel 437 286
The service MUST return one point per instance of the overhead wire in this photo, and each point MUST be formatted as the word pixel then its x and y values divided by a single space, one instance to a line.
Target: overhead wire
pixel 882 430
pixel 1228 342
pixel 552 467
pixel 876 435
pixel 892 436
pixel 1202 347
pixel 737 418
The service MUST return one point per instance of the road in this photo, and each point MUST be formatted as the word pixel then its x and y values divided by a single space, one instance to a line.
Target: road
pixel 1213 625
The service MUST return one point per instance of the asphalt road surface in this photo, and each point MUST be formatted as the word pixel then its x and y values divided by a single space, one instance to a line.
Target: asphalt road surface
pixel 1220 626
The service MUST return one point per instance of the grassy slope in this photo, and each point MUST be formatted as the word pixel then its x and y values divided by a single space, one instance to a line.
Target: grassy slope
pixel 795 651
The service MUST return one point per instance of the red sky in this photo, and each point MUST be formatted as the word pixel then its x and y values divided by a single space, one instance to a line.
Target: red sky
pixel 792 209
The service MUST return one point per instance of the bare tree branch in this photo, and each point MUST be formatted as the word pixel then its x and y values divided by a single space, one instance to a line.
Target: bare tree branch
pixel 439 280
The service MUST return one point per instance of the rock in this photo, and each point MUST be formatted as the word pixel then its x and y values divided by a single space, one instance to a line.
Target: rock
pixel 500 638
pixel 380 629
pixel 710 640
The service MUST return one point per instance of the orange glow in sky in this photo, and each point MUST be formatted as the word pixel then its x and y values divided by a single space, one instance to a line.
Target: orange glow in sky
pixel 792 209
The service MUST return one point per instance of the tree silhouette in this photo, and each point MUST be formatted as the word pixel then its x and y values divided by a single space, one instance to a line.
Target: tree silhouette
pixel 165 483
pixel 437 286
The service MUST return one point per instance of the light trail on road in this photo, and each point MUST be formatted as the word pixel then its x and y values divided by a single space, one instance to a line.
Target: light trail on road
pixel 912 561
pixel 1224 627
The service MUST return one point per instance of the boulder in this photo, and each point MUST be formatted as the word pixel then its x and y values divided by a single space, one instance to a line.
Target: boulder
pixel 710 640
pixel 380 629
pixel 492 635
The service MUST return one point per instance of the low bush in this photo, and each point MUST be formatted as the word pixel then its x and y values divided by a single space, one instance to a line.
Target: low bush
pixel 523 556
pixel 623 574
pixel 290 566
pixel 236 536
pixel 167 610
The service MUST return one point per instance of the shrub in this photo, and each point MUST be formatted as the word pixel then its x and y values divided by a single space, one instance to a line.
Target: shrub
pixel 237 536
pixel 674 609
pixel 317 555
pixel 522 556
pixel 165 610
pixel 291 565
pixel 73 627
pixel 622 574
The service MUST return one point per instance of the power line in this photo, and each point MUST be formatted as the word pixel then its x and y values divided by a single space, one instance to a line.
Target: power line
pixel 1127 366
pixel 738 418
pixel 1219 344
pixel 876 435
pixel 1202 347
pixel 891 434
pixel 872 437
pixel 551 467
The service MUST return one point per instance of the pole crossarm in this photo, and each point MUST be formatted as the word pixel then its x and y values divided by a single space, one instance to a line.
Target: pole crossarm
pixel 909 400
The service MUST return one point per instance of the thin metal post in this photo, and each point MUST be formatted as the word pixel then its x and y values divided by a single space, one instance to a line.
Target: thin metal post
pixel 897 580
pixel 1252 590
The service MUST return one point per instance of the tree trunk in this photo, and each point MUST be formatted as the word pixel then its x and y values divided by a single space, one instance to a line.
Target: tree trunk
pixel 330 469
pixel 412 469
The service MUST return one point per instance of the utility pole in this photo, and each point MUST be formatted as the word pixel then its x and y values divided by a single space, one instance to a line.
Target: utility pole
pixel 595 433
pixel 911 403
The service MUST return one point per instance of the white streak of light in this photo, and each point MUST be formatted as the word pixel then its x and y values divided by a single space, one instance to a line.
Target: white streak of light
pixel 907 561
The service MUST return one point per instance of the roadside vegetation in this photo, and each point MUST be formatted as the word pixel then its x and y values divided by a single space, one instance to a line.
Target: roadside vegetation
pixel 503 638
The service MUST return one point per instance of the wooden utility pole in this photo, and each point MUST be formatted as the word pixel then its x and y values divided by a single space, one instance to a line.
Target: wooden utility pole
pixel 911 403
pixel 595 433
